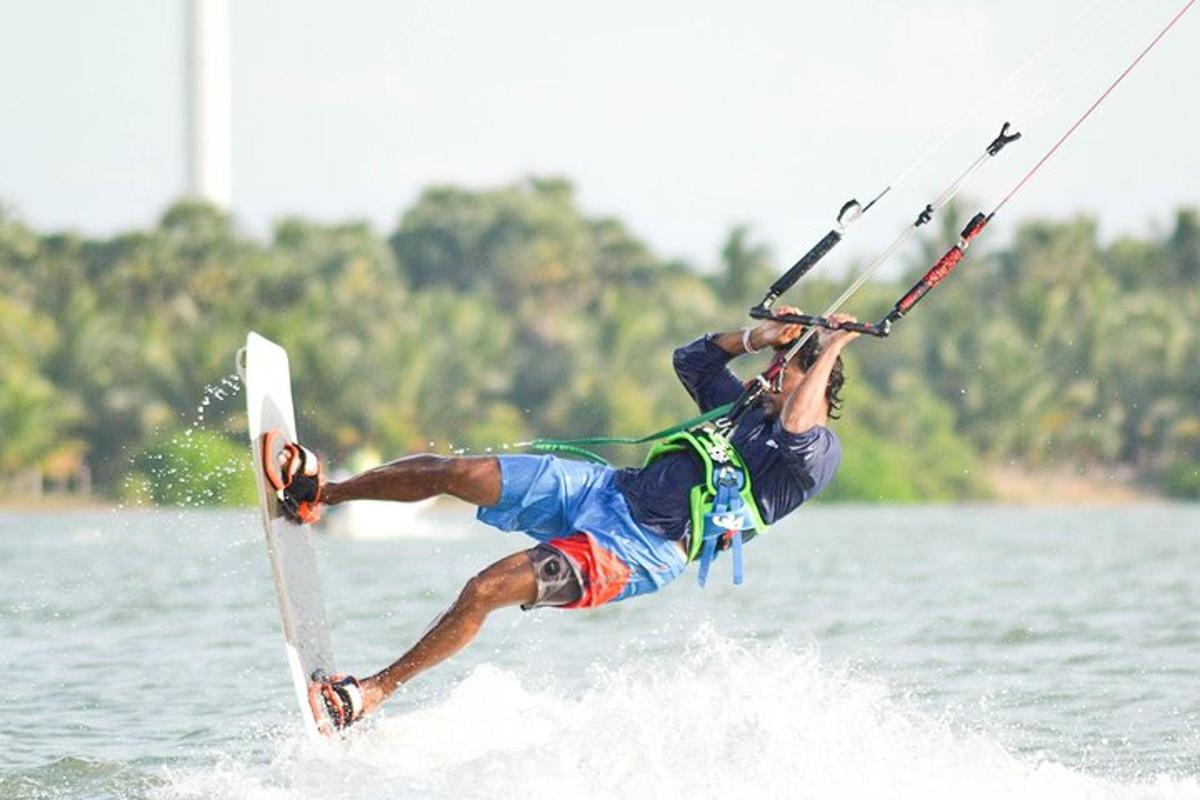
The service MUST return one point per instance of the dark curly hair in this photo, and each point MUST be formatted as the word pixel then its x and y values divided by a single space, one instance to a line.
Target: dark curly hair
pixel 837 376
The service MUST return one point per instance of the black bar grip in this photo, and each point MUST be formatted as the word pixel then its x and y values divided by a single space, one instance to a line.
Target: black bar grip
pixel 812 321
pixel 791 319
pixel 800 269
pixel 759 312
pixel 878 330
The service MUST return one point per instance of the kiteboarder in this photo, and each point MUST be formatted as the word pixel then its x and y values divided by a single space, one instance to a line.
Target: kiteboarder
pixel 606 534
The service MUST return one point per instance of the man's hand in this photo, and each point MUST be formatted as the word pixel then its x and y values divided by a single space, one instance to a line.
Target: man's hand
pixel 770 333
pixel 776 333
pixel 836 340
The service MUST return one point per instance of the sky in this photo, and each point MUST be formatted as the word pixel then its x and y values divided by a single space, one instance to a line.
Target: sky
pixel 681 118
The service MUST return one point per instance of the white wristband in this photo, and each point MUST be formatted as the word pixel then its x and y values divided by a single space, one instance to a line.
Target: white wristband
pixel 746 341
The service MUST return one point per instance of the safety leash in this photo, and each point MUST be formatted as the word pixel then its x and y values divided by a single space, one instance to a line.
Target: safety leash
pixel 578 447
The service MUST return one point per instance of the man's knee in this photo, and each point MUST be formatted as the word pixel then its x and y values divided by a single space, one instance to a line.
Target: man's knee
pixel 506 583
pixel 479 591
pixel 481 595
pixel 475 479
pixel 473 468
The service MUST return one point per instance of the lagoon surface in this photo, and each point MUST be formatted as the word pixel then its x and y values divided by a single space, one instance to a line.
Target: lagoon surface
pixel 873 652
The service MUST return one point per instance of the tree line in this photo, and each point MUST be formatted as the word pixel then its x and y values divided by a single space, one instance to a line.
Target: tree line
pixel 493 316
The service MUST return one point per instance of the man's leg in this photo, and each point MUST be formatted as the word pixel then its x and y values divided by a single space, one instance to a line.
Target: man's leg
pixel 473 479
pixel 509 582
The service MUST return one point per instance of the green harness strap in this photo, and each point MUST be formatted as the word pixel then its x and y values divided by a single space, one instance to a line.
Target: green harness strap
pixel 714 450
pixel 576 447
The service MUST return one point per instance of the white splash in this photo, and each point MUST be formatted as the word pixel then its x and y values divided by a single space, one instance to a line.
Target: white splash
pixel 228 387
pixel 718 721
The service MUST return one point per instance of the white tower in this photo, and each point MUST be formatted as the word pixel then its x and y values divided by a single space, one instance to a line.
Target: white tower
pixel 208 147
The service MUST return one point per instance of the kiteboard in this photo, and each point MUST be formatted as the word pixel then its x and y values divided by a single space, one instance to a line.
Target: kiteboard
pixel 263 366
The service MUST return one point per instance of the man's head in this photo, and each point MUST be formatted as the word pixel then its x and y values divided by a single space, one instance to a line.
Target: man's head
pixel 793 373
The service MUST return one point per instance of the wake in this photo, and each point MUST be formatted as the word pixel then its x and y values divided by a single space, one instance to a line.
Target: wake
pixel 722 720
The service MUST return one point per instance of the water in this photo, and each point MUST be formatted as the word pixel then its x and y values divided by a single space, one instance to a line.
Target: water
pixel 222 391
pixel 874 652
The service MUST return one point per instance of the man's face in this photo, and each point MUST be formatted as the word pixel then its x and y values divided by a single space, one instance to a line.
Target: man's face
pixel 772 401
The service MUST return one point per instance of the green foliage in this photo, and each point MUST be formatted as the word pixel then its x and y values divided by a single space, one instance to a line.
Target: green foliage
pixel 900 446
pixel 193 468
pixel 34 416
pixel 746 269
pixel 873 469
pixel 1182 480
pixel 1184 246
pixel 488 317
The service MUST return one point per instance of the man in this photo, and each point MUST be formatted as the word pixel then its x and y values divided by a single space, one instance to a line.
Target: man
pixel 604 534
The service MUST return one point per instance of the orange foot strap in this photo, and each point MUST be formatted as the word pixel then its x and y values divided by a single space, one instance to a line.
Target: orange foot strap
pixel 295 473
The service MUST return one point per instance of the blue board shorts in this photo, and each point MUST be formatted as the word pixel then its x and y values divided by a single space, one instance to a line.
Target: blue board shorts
pixel 574 508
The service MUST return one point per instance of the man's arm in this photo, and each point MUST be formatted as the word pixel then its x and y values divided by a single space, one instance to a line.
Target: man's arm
pixel 765 334
pixel 703 369
pixel 806 407
pixel 702 365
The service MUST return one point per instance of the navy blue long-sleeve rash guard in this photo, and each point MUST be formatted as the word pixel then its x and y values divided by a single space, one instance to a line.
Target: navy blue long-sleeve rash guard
pixel 786 468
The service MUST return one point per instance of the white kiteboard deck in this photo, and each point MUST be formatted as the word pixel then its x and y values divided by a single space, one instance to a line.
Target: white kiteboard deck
pixel 268 384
